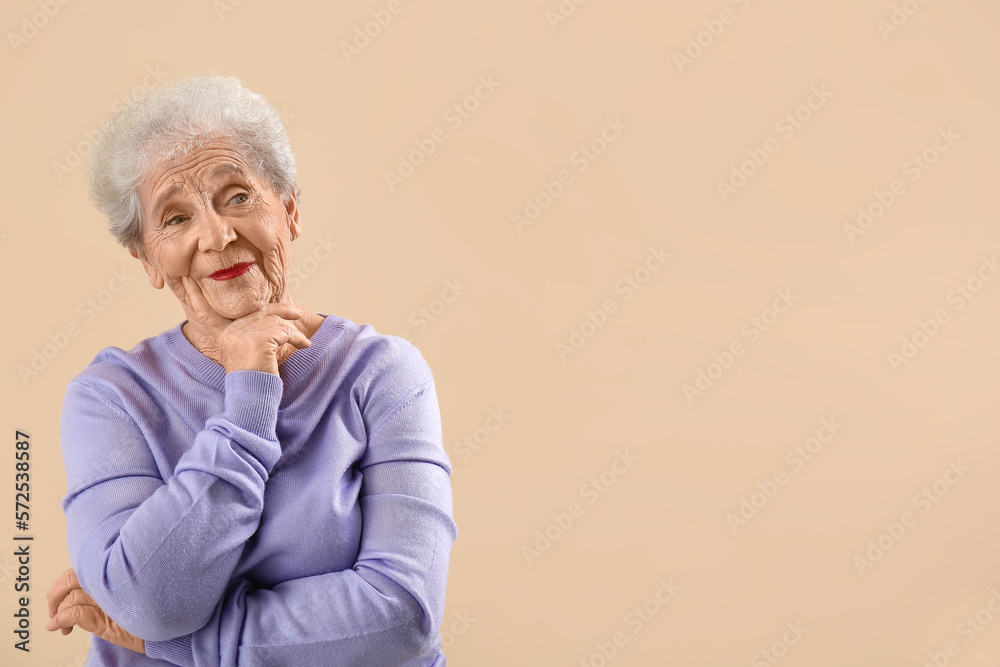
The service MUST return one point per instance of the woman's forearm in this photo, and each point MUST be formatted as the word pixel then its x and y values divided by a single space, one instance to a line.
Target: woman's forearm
pixel 157 556
pixel 387 609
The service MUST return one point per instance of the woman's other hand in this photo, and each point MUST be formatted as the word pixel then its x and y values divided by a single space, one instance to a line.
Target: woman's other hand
pixel 70 605
pixel 258 341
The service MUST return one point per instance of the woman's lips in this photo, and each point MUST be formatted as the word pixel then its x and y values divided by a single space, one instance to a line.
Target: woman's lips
pixel 232 271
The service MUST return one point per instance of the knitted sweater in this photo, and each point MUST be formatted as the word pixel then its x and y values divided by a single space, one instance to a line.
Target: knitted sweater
pixel 250 519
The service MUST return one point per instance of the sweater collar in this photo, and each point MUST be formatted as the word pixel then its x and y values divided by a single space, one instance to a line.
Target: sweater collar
pixel 291 370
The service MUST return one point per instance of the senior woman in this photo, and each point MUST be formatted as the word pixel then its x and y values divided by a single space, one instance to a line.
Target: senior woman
pixel 260 484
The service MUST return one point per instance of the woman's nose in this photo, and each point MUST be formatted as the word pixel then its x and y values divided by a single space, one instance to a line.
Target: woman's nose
pixel 216 231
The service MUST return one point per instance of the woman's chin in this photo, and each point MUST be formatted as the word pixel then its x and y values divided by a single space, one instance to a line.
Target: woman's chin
pixel 241 308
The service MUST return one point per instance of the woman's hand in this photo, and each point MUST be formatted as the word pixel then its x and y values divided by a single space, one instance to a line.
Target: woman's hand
pixel 258 341
pixel 69 605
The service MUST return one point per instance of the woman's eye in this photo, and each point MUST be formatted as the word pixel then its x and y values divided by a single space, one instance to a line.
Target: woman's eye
pixel 240 198
pixel 176 220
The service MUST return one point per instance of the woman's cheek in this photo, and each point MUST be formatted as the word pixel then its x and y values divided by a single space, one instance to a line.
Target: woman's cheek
pixel 275 270
pixel 177 287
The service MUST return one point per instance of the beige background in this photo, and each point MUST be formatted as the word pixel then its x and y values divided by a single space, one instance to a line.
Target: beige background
pixel 494 347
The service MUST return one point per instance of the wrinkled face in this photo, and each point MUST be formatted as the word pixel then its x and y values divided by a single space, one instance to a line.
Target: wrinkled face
pixel 208 215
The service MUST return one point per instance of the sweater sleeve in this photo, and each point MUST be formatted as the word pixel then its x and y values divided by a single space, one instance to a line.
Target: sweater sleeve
pixel 388 608
pixel 158 555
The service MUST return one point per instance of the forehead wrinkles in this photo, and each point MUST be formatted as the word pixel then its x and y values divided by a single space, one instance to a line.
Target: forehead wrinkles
pixel 194 171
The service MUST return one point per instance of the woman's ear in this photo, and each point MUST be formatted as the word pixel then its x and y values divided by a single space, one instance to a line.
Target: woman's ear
pixel 292 209
pixel 155 279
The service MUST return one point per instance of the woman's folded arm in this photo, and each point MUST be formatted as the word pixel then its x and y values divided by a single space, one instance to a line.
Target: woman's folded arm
pixel 157 555
pixel 387 609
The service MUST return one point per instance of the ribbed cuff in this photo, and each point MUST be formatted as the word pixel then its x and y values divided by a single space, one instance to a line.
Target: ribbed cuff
pixel 177 651
pixel 251 401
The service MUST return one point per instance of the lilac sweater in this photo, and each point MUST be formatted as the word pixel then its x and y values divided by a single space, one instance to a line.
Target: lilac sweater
pixel 246 519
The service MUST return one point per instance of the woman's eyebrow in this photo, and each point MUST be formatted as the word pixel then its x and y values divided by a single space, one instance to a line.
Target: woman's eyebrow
pixel 165 198
pixel 226 169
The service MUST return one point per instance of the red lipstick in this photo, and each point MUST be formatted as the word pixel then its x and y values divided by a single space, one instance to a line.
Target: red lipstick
pixel 232 271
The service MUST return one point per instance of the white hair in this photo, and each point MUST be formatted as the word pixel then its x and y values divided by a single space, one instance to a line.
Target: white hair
pixel 171 120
